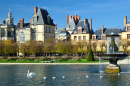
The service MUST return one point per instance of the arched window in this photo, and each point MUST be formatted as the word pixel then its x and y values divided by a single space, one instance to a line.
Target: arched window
pixel 22 37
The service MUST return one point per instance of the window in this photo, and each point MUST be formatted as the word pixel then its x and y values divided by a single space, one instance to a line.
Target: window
pixel 34 37
pixel 9 34
pixel 46 29
pixel 75 38
pixel 79 38
pixel 94 37
pixel 49 29
pixel 128 28
pixel 128 36
pixel 22 37
pixel 103 37
pixel 84 31
pixel 84 38
pixel 75 32
pixel 79 31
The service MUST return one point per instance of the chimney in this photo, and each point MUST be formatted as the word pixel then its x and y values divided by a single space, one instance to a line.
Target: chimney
pixel 3 21
pixel 102 28
pixel 67 20
pixel 55 26
pixel 70 18
pixel 85 20
pixel 35 10
pixel 75 18
pixel 125 20
pixel 21 22
pixel 90 25
pixel 78 17
pixel 31 20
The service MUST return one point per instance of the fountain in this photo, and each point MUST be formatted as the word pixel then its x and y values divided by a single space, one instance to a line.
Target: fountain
pixel 113 42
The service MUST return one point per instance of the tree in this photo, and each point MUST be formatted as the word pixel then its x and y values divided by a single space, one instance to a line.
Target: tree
pixel 102 45
pixel 2 44
pixel 49 46
pixel 90 55
pixel 124 45
pixel 63 47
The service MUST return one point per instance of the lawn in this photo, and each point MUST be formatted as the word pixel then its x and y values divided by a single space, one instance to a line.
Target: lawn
pixel 82 61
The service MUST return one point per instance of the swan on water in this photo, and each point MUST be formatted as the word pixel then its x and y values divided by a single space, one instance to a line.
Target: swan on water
pixel 118 74
pixel 101 76
pixel 53 77
pixel 87 76
pixel 30 74
pixel 44 77
pixel 63 77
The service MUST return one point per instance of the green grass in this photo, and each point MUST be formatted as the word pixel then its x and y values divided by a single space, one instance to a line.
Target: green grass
pixel 82 61
pixel 73 61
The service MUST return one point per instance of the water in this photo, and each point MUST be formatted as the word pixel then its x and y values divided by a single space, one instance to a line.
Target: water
pixel 75 75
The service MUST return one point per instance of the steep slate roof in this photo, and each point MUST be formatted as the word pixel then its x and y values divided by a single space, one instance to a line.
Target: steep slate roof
pixel 64 33
pixel 26 25
pixel 58 30
pixel 84 27
pixel 71 24
pixel 124 30
pixel 42 17
pixel 106 31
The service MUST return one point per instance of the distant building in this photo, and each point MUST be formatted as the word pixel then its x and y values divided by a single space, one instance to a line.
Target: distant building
pixel 82 31
pixel 126 30
pixel 40 28
pixel 100 34
pixel 7 29
pixel 64 35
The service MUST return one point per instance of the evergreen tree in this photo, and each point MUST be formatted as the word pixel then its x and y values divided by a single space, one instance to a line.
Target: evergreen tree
pixel 90 55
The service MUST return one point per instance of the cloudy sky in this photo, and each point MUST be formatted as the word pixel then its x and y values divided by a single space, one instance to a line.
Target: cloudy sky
pixel 109 13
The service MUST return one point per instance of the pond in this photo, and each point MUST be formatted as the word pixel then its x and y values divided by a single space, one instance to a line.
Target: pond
pixel 74 75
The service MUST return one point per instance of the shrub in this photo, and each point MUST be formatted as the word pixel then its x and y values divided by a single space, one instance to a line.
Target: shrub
pixel 90 55
pixel 46 59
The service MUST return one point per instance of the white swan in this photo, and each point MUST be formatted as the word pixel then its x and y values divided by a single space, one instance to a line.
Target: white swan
pixel 87 76
pixel 31 74
pixel 118 74
pixel 44 77
pixel 101 76
pixel 53 77
pixel 63 77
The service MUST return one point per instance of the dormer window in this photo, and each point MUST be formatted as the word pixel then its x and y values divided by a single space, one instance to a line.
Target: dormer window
pixel 103 37
pixel 84 31
pixel 94 37
pixel 75 32
pixel 79 29
pixel 48 18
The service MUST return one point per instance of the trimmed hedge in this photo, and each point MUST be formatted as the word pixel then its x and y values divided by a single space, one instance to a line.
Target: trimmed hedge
pixel 90 55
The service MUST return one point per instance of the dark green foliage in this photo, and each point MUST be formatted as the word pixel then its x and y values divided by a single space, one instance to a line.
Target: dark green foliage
pixel 46 59
pixel 90 55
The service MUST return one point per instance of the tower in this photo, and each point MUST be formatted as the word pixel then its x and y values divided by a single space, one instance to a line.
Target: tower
pixel 9 19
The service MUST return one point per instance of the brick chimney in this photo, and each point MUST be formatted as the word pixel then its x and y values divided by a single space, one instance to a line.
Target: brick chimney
pixel 70 18
pixel 55 26
pixel 31 20
pixel 67 20
pixel 3 21
pixel 21 23
pixel 102 28
pixel 75 18
pixel 35 10
pixel 125 20
pixel 90 25
pixel 78 17
pixel 85 20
